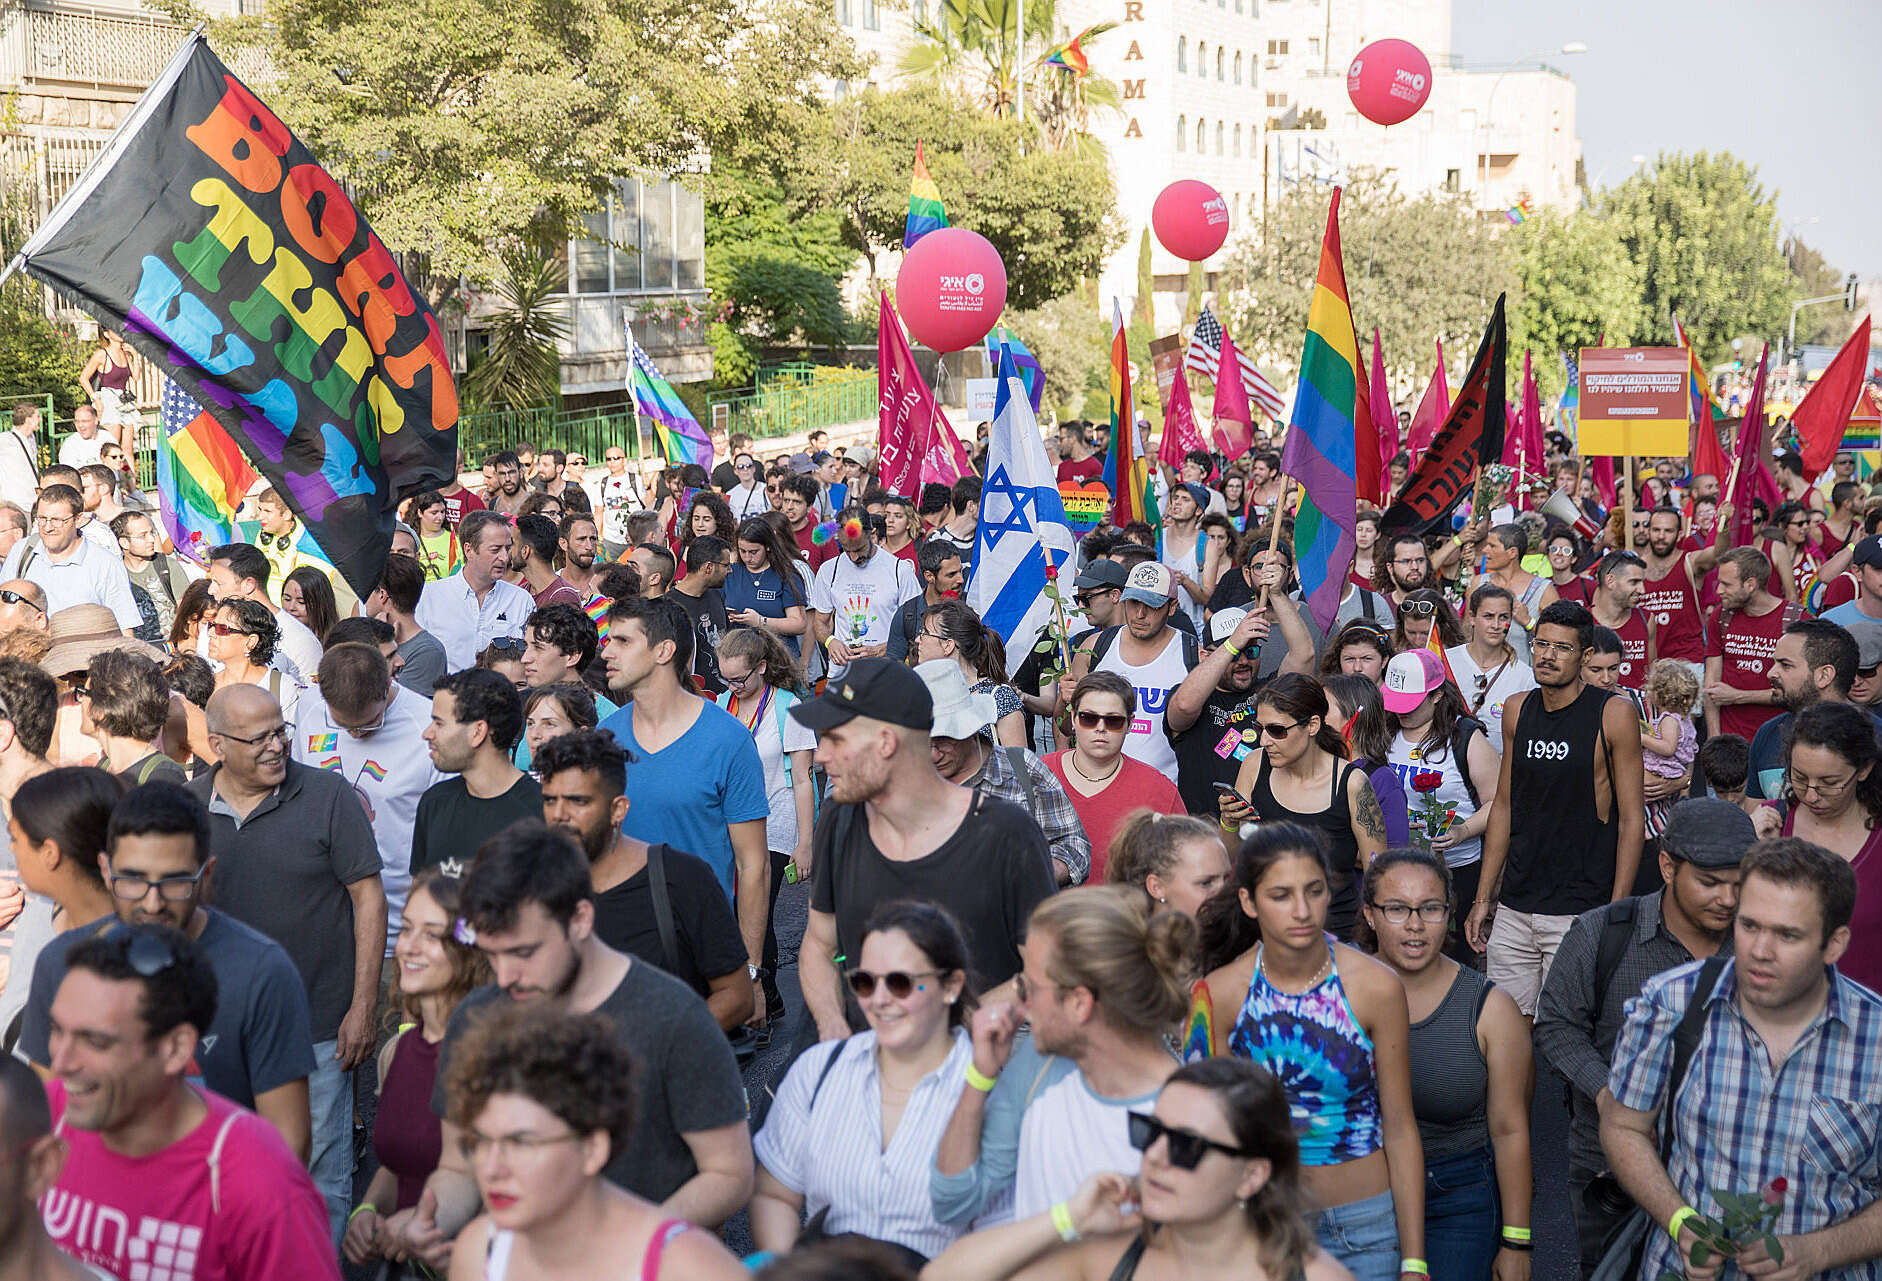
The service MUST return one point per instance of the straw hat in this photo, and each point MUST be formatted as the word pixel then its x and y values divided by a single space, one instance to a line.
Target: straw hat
pixel 79 633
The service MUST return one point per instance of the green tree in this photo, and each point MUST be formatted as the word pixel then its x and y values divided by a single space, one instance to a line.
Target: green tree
pixel 1417 268
pixel 462 126
pixel 1192 304
pixel 1051 214
pixel 523 365
pixel 1574 283
pixel 1703 232
pixel 37 357
pixel 1072 344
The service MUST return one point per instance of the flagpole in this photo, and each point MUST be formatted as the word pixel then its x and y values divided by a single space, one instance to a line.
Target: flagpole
pixel 1627 504
pixel 1274 538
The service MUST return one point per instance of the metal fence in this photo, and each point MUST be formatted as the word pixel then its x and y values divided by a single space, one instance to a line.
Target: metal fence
pixel 587 432
pixel 794 398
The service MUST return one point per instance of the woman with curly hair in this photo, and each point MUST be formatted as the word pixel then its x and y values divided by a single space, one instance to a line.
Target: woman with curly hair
pixel 543 1099
pixel 242 638
pixel 708 513
pixel 436 971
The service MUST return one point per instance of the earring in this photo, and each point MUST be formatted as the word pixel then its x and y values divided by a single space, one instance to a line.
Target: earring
pixel 1163 900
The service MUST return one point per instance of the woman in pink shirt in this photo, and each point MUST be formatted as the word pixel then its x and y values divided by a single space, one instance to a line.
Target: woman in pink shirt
pixel 1106 786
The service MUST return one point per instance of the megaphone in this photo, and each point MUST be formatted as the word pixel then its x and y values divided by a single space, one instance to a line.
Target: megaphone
pixel 1569 512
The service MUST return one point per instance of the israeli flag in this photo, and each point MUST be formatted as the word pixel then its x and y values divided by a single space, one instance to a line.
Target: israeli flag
pixel 1022 523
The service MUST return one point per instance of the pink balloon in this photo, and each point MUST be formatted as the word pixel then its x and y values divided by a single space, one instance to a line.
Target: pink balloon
pixel 1191 219
pixel 1389 81
pixel 951 288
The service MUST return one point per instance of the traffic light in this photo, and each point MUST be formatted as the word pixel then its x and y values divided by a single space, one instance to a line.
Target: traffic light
pixel 1849 293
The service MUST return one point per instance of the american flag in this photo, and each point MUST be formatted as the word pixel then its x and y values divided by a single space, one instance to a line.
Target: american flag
pixel 1205 354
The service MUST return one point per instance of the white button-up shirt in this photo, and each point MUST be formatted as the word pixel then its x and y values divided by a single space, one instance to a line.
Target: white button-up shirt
pixel 449 609
pixel 89 575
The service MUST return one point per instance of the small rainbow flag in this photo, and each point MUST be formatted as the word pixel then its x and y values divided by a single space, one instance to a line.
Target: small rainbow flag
pixel 596 607
pixel 1518 213
pixel 1069 57
pixel 1199 1029
pixel 202 475
pixel 681 437
pixel 925 213
pixel 335 764
pixel 376 771
pixel 1126 469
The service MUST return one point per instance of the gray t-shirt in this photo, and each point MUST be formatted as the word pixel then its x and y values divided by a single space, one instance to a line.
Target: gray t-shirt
pixel 686 1079
pixel 259 1039
pixel 425 662
pixel 284 871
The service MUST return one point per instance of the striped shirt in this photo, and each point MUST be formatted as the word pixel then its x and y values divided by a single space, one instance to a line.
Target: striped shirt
pixel 1738 1124
pixel 839 1162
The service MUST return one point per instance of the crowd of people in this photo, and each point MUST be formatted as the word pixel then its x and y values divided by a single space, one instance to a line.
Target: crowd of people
pixel 1230 947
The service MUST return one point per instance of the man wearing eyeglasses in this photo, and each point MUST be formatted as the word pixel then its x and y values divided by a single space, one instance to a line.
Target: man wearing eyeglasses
pixel 295 859
pixel 258 1051
pixel 69 568
pixel 1404 569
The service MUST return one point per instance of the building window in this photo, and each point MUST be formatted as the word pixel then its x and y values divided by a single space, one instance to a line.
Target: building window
pixel 872 21
pixel 1202 137
pixel 1313 43
pixel 1182 53
pixel 1238 66
pixel 1238 143
pixel 1202 57
pixel 1221 64
pixel 1218 137
pixel 844 14
pixel 921 10
pixel 1452 179
pixel 1182 133
pixel 1276 99
pixel 651 237
pixel 1277 48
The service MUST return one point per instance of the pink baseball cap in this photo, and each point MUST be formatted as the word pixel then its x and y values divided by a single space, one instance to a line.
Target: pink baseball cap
pixel 1408 678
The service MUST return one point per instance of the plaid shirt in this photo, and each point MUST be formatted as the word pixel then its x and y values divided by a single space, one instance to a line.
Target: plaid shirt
pixel 1051 809
pixel 1738 1125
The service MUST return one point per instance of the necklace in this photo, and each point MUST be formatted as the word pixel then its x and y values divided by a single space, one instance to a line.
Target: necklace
pixel 1261 966
pixel 1073 758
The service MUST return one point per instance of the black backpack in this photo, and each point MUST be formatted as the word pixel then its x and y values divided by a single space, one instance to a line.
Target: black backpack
pixel 1192 648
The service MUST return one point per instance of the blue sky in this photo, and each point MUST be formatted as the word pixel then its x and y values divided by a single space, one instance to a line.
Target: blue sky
pixel 1794 88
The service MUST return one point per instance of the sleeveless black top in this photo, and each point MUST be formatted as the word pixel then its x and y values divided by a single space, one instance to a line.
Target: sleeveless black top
pixel 1561 856
pixel 1335 825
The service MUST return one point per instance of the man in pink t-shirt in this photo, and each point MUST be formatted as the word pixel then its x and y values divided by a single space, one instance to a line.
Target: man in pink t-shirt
pixel 165 1180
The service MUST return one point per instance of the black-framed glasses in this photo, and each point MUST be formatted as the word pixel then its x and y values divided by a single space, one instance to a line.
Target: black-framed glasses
pixel 80 689
pixel 12 597
pixel 171 889
pixel 266 736
pixel 1186 1149
pixel 1432 912
pixel 1275 733
pixel 1115 722
pixel 899 983
pixel 1419 608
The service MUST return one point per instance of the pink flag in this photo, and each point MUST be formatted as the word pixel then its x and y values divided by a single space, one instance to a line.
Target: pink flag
pixel 1602 470
pixel 1234 417
pixel 1433 409
pixel 1751 476
pixel 911 430
pixel 1180 433
pixel 1384 420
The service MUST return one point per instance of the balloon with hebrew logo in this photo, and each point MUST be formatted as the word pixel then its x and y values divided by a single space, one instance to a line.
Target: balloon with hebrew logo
pixel 1388 81
pixel 1191 219
pixel 951 288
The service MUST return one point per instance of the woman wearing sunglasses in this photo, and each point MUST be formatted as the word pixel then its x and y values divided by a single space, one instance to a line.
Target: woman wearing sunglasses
pixel 1219 1195
pixel 1418 614
pixel 542 1099
pixel 852 1136
pixel 1471 1092
pixel 1330 1023
pixel 1106 786
pixel 1297 772
pixel 242 639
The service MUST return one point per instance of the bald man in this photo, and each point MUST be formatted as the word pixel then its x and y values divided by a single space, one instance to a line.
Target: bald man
pixel 22 604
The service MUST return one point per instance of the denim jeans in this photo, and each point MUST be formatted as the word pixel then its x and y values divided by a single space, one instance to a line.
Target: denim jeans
pixel 330 1109
pixel 1463 1217
pixel 1363 1235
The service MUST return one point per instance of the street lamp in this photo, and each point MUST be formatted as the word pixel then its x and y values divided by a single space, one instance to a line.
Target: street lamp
pixel 1568 49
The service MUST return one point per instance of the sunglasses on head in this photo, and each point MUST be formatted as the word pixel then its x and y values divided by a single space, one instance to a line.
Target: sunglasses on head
pixel 506 645
pixel 1186 1150
pixel 1114 722
pixel 12 597
pixel 898 982
pixel 1419 608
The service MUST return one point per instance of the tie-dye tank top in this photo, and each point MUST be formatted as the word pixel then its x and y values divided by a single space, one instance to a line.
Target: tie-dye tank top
pixel 1314 1046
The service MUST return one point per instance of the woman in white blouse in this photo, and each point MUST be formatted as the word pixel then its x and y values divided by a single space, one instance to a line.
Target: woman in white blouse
pixel 852 1135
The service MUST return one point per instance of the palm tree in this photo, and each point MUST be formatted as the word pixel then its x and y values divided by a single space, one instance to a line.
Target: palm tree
pixel 523 366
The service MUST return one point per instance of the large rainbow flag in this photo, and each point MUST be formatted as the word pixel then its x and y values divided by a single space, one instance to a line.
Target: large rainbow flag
pixel 202 476
pixel 681 437
pixel 925 213
pixel 1126 469
pixel 1319 453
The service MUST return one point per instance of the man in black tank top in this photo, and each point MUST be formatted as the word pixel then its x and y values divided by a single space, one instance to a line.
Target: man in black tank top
pixel 1566 826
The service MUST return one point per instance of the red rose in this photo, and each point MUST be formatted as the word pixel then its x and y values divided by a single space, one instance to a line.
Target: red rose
pixel 1427 781
pixel 1052 572
pixel 1774 1194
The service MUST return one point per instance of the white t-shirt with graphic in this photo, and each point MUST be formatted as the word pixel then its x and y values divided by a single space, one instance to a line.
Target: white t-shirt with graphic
pixel 1498 688
pixel 862 599
pixel 1153 682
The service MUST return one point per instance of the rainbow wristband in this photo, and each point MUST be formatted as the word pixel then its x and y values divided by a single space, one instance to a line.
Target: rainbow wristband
pixel 1061 1215
pixel 1678 1221
pixel 980 1081
pixel 1417 1267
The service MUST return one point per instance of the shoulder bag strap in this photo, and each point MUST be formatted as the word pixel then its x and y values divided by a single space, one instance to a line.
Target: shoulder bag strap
pixel 1686 1039
pixel 781 702
pixel 1016 756
pixel 1127 1265
pixel 823 1074
pixel 663 906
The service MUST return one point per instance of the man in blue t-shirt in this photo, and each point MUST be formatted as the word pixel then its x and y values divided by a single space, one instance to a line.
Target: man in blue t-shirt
pixel 694 779
pixel 1816 662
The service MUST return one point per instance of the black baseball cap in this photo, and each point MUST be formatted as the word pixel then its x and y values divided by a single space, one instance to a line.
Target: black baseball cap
pixel 1100 573
pixel 1869 551
pixel 874 687
pixel 1708 832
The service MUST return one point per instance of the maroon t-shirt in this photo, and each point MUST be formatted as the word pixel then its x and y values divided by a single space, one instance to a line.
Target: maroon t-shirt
pixel 1081 471
pixel 1746 644
pixel 1633 634
pixel 1675 610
